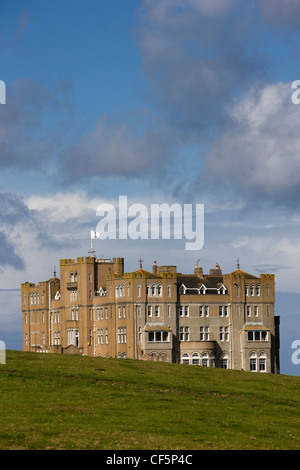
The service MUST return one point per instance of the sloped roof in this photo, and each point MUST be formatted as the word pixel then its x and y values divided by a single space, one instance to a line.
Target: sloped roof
pixel 247 275
pixel 156 326
pixel 253 327
pixel 145 273
pixel 193 281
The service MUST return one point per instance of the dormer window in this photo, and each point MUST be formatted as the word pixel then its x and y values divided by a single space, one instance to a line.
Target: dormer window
pixel 222 289
pixel 102 292
pixel 202 289
pixel 182 289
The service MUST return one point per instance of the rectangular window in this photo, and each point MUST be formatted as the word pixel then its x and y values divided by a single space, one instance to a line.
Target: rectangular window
pixel 99 336
pixel 184 311
pixel 257 336
pixel 223 311
pixel 204 333
pixel 184 333
pixel 224 333
pixel 56 338
pixel 122 335
pixel 158 336
pixel 221 333
pixel 73 337
pixel 203 311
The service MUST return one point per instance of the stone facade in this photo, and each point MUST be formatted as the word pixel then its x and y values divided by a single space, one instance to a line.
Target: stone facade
pixel 213 320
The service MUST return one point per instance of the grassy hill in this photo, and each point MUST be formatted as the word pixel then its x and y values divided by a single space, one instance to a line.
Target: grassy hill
pixel 75 402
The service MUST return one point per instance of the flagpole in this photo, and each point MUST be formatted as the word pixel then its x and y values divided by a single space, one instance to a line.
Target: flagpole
pixel 92 252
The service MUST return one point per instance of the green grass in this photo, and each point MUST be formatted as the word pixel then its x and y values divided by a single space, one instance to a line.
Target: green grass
pixel 75 402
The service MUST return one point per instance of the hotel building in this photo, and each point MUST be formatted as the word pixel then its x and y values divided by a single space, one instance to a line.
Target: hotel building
pixel 95 308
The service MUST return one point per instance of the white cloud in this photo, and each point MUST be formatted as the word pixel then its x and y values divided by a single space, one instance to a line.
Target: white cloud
pixel 259 156
pixel 61 206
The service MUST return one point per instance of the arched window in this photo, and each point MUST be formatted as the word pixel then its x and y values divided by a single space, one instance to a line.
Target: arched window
pixel 257 290
pixel 262 362
pixel 185 359
pixel 153 356
pixel 253 362
pixel 163 357
pixel 224 361
pixel 195 359
pixel 205 359
pixel 159 290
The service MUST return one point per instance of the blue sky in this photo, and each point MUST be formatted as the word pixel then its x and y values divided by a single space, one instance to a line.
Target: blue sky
pixel 184 101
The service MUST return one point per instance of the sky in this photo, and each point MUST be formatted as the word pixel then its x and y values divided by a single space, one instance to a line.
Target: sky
pixel 162 101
